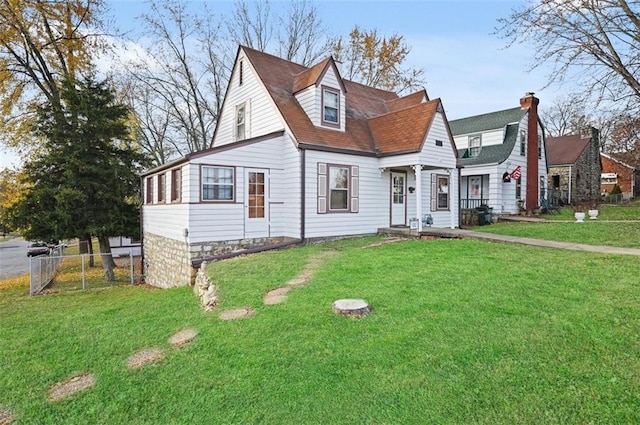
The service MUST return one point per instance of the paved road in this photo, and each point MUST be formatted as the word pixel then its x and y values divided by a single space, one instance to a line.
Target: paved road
pixel 13 258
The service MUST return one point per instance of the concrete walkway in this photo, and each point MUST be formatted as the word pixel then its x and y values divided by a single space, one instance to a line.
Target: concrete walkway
pixel 471 234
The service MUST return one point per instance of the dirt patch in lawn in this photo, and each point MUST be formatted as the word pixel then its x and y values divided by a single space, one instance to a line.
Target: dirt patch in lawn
pixel 384 242
pixel 182 338
pixel 312 265
pixel 70 386
pixel 6 416
pixel 145 357
pixel 237 313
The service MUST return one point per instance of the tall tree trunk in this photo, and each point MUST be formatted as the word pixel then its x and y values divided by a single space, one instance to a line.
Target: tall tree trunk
pixel 107 259
pixel 89 242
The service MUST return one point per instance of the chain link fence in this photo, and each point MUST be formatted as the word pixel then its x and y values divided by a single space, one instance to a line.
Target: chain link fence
pixel 57 272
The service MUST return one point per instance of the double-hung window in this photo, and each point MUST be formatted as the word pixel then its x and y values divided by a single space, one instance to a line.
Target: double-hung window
pixel 149 191
pixel 241 117
pixel 330 106
pixel 217 183
pixel 338 188
pixel 176 185
pixel 443 193
pixel 475 144
pixel 161 187
pixel 523 143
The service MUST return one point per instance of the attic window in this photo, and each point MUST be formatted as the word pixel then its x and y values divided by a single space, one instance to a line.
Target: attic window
pixel 438 142
pixel 475 144
pixel 523 143
pixel 330 106
pixel 240 122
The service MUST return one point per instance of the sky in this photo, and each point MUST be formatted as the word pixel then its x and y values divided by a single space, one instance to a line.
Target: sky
pixel 465 64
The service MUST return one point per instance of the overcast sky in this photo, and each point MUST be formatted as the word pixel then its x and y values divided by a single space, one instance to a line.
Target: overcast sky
pixel 465 64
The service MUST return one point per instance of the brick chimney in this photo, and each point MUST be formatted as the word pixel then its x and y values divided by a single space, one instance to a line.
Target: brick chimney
pixel 530 102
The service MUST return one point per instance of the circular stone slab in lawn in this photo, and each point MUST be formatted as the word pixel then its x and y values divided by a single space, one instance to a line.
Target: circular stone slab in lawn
pixel 144 357
pixel 71 386
pixel 182 338
pixel 351 307
pixel 238 313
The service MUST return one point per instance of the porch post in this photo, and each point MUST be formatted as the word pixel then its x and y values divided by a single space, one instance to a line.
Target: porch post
pixel 418 170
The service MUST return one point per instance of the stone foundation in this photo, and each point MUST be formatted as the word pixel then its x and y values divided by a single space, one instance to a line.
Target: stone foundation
pixel 167 262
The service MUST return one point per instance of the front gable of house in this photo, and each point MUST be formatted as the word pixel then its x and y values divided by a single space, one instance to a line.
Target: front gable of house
pixel 248 111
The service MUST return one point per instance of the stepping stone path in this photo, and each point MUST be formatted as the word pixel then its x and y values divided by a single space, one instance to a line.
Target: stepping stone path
pixel 6 416
pixel 351 307
pixel 182 338
pixel 238 313
pixel 278 295
pixel 145 357
pixel 69 387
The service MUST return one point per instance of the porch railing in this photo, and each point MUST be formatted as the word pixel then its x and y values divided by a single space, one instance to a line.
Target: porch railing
pixel 472 203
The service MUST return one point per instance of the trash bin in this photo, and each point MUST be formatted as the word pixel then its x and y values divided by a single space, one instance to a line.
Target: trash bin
pixel 484 215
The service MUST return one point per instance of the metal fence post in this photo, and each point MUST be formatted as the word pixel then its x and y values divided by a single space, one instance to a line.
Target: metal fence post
pixel 131 265
pixel 31 276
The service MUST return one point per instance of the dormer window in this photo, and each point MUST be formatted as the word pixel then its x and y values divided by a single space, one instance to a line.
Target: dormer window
pixel 330 107
pixel 475 144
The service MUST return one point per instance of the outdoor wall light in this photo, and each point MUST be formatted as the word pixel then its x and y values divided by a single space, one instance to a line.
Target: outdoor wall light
pixel 412 189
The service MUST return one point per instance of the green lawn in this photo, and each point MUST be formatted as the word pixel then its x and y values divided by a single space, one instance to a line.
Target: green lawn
pixel 629 211
pixel 591 232
pixel 461 331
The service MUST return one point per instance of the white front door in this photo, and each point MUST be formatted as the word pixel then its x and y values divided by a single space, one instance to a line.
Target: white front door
pixel 398 199
pixel 256 203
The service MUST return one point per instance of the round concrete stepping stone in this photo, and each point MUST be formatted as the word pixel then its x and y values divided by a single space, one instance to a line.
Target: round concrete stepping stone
pixel 276 296
pixel 351 307
pixel 6 416
pixel 238 313
pixel 71 386
pixel 145 357
pixel 182 338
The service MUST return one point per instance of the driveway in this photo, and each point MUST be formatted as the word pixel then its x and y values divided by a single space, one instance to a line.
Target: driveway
pixel 13 258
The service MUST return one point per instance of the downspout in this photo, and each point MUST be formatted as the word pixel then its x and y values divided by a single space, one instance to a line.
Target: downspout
pixel 460 197
pixel 303 196
pixel 141 229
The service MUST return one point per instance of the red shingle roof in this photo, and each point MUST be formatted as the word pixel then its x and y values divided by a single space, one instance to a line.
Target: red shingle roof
pixel 565 149
pixel 377 121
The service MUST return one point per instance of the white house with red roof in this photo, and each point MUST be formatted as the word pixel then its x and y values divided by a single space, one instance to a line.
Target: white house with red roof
pixel 299 154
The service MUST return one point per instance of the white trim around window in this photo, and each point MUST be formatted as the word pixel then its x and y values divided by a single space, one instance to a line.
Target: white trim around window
pixel 330 107
pixel 475 145
pixel 217 183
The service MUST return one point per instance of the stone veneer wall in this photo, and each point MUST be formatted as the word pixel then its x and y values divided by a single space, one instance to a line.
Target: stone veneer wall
pixel 167 262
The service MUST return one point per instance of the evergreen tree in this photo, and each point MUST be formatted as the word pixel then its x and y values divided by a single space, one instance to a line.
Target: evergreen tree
pixel 85 182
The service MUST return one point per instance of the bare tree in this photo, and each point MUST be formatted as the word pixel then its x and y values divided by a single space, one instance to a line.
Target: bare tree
pixel 625 139
pixel 596 42
pixel 300 32
pixel 573 114
pixel 177 84
pixel 376 61
pixel 251 25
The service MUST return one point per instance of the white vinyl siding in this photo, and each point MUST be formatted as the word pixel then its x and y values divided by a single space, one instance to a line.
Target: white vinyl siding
pixel 262 115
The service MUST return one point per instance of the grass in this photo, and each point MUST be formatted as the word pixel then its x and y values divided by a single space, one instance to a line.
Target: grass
pixel 461 332
pixel 620 234
pixel 629 211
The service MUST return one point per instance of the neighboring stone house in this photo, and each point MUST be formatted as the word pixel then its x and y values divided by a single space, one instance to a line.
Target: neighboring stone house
pixel 617 172
pixel 299 153
pixel 574 167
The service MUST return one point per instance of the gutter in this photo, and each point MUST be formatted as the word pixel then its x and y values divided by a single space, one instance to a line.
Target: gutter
pixel 196 263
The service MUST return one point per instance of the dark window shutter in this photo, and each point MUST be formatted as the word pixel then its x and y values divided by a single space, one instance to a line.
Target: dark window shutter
pixel 355 189
pixel 322 188
pixel 434 192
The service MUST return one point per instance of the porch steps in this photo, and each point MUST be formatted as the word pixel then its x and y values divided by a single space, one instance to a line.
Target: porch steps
pixel 426 233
